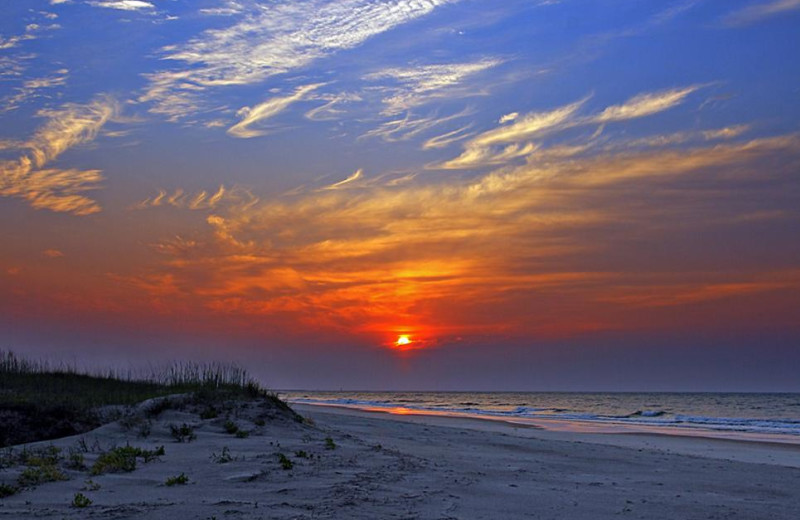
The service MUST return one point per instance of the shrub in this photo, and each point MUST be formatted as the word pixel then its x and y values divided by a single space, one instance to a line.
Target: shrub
pixel 76 461
pixel 230 427
pixel 242 434
pixel 182 433
pixel 224 457
pixel 6 490
pixel 285 462
pixel 179 480
pixel 123 459
pixel 36 475
pixel 301 454
pixel 91 485
pixel 209 413
pixel 260 421
pixel 81 500
pixel 329 444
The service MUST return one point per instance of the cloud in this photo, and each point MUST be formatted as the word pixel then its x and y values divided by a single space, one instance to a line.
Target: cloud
pixel 267 110
pixel 58 190
pixel 462 254
pixel 512 141
pixel 446 139
pixel 349 180
pixel 646 104
pixel 759 11
pixel 268 40
pixel 124 5
pixel 416 86
pixel 481 149
pixel 200 200
pixel 409 127
pixel 30 89
pixel 52 253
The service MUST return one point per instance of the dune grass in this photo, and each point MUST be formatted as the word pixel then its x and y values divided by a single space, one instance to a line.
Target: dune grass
pixel 40 401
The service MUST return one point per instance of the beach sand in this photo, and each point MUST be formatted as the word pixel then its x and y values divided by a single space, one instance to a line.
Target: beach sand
pixel 406 466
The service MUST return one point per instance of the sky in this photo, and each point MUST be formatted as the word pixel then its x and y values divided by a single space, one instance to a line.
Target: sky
pixel 406 194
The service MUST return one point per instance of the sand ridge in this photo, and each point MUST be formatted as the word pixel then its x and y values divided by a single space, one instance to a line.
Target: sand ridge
pixel 378 467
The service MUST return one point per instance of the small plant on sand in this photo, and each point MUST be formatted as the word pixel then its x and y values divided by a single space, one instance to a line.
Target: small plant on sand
pixel 182 433
pixel 47 456
pixel 285 462
pixel 224 457
pixel 180 480
pixel 6 490
pixel 75 461
pixel 90 485
pixel 329 444
pixel 260 421
pixel 301 454
pixel 209 413
pixel 230 427
pixel 123 459
pixel 35 475
pixel 80 500
pixel 242 434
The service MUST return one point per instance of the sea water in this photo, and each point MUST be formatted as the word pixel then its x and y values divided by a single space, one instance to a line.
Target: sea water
pixel 732 415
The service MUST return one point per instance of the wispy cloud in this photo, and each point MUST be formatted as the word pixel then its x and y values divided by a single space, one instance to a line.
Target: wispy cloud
pixel 266 110
pixel 512 141
pixel 415 86
pixel 30 89
pixel 272 39
pixel 200 200
pixel 646 104
pixel 759 11
pixel 541 235
pixel 124 5
pixel 346 182
pixel 58 189
pixel 409 126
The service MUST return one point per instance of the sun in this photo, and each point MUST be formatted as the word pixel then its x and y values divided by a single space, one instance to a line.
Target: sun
pixel 402 341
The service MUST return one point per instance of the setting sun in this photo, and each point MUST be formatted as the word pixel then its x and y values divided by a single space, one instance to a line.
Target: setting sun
pixel 402 341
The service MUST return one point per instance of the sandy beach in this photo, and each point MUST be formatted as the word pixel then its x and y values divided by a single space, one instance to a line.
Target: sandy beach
pixel 377 465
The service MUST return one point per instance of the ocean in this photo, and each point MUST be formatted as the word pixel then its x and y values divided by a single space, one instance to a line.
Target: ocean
pixel 756 416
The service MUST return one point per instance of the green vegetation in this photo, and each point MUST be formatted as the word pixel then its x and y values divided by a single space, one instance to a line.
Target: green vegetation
pixel 123 459
pixel 35 475
pixel 285 462
pixel 242 434
pixel 301 454
pixel 91 485
pixel 42 401
pixel 329 444
pixel 6 490
pixel 81 500
pixel 230 427
pixel 180 480
pixel 182 433
pixel 224 457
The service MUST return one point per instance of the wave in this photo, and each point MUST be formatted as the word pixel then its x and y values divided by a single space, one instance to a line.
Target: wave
pixel 654 417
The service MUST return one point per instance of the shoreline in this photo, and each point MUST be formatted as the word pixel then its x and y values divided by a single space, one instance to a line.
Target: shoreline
pixel 751 450
pixel 576 425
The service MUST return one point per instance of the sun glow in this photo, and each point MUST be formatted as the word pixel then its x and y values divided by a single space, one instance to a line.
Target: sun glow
pixel 403 341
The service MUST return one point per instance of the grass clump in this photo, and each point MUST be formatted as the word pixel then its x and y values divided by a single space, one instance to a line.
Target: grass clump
pixel 182 433
pixel 41 401
pixel 224 457
pixel 123 459
pixel 285 462
pixel 35 475
pixel 301 454
pixel 329 444
pixel 7 490
pixel 230 427
pixel 242 434
pixel 180 480
pixel 80 501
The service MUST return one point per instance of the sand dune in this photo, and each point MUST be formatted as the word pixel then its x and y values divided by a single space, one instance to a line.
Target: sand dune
pixel 379 466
